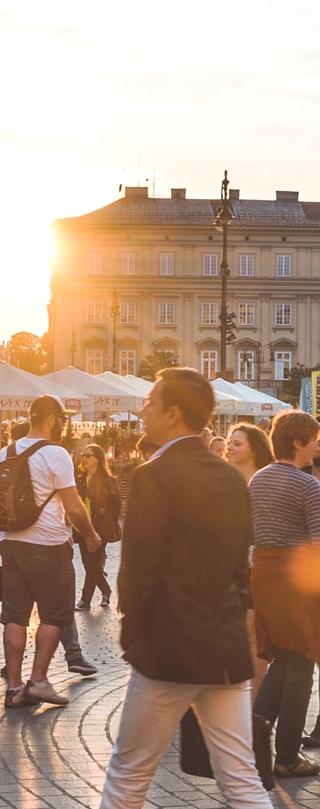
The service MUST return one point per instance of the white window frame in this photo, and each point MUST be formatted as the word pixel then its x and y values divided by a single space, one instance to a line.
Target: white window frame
pixel 283 314
pixel 128 263
pixel 209 364
pixel 210 264
pixel 283 266
pixel 95 263
pixel 282 365
pixel 127 361
pixel 128 312
pixel 246 366
pixel 166 313
pixel 94 311
pixel 247 265
pixel 94 361
pixel 246 314
pixel 166 263
pixel 209 313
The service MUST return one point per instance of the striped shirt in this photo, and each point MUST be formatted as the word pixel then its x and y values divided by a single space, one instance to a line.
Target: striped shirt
pixel 285 506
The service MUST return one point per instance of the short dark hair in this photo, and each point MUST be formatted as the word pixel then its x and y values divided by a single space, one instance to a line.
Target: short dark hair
pixel 187 389
pixel 45 406
pixel 258 440
pixel 290 426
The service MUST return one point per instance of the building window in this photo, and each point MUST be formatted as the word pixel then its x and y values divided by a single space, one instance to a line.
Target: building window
pixel 128 312
pixel 127 362
pixel 246 314
pixel 246 265
pixel 246 364
pixel 283 265
pixel 166 314
pixel 94 312
pixel 94 362
pixel 95 263
pixel 210 264
pixel 283 314
pixel 209 314
pixel 166 263
pixel 209 364
pixel 128 263
pixel 282 364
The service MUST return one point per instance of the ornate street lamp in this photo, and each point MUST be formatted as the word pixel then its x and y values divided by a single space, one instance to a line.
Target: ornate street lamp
pixel 223 218
pixel 73 348
pixel 115 314
pixel 260 359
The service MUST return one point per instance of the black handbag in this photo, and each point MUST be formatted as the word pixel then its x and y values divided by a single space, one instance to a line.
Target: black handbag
pixel 194 756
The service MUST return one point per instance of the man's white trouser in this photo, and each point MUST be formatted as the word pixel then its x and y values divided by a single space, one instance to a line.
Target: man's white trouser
pixel 151 712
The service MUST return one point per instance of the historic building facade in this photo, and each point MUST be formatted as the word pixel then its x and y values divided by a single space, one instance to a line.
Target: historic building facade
pixel 158 261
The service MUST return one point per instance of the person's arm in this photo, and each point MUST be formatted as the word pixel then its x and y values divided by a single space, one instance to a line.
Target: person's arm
pixel 77 515
pixel 312 509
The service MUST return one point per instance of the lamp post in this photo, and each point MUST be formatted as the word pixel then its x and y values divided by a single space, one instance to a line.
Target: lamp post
pixel 115 314
pixel 223 218
pixel 260 360
pixel 73 347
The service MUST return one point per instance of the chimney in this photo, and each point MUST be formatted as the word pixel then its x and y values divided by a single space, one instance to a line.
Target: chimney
pixel 136 191
pixel 292 196
pixel 234 193
pixel 178 193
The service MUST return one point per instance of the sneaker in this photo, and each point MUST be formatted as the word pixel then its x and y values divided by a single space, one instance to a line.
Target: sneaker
pixel 81 666
pixel 303 767
pixel 18 699
pixel 44 693
pixel 81 605
pixel 105 601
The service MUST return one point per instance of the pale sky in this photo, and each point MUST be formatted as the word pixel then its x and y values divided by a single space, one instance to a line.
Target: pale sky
pixel 193 88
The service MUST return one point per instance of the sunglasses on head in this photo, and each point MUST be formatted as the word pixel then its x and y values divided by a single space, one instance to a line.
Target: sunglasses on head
pixel 87 455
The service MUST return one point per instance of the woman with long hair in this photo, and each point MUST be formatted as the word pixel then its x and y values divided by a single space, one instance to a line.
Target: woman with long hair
pixel 99 492
pixel 248 449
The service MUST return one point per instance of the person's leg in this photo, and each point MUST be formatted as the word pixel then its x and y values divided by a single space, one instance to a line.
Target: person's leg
pixel 268 699
pixel 294 706
pixel 225 716
pixel 151 712
pixel 70 641
pixel 313 739
pixel 14 641
pixel 47 639
pixel 90 563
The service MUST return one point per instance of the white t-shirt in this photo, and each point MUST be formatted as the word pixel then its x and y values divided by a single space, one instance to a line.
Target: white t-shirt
pixel 50 468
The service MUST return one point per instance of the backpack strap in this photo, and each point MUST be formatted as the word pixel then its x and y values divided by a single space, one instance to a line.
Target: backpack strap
pixel 11 450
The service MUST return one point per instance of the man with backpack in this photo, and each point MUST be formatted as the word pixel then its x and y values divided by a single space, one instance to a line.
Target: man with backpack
pixel 37 560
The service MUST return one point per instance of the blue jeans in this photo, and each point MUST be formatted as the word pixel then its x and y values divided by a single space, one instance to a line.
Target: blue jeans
pixel 284 694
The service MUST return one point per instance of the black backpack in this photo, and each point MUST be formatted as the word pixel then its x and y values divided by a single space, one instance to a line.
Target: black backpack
pixel 18 508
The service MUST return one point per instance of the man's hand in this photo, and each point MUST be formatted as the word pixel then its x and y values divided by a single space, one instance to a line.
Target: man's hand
pixel 93 543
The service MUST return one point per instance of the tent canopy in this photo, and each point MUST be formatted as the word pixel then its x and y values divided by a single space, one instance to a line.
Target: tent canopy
pixel 106 397
pixel 255 402
pixel 18 389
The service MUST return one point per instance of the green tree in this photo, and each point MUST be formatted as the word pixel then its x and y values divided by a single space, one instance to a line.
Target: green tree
pixel 155 362
pixel 28 352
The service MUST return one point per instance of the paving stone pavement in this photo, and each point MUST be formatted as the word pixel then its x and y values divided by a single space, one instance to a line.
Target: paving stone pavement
pixel 55 758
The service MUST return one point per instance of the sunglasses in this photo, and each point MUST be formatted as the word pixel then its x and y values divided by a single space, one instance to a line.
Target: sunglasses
pixel 62 416
pixel 87 455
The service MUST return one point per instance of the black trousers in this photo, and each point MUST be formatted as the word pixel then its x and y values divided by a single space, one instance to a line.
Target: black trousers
pixel 93 564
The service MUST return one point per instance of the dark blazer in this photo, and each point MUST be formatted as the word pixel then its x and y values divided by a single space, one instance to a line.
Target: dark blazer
pixel 184 571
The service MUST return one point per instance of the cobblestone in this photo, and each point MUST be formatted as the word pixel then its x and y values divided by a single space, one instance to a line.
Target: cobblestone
pixel 55 758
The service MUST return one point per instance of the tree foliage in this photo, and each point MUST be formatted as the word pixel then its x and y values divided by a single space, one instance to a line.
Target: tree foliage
pixel 28 352
pixel 155 362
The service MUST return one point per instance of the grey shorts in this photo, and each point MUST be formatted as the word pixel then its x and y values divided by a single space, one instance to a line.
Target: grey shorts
pixel 37 573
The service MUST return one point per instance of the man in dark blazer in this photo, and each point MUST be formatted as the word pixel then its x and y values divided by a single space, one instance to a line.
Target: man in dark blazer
pixel 182 594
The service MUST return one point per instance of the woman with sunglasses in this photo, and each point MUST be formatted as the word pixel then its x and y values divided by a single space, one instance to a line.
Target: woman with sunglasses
pixel 100 494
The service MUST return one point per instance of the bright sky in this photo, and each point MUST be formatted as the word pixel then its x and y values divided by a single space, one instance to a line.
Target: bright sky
pixel 194 88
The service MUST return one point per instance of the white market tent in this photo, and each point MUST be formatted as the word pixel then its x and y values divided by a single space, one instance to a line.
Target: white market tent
pixel 18 389
pixel 121 383
pixel 255 402
pixel 106 397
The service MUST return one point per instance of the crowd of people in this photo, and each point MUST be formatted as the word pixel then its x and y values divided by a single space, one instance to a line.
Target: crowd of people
pixel 218 543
